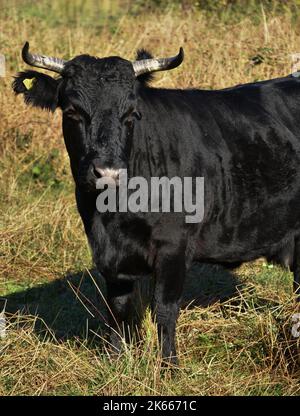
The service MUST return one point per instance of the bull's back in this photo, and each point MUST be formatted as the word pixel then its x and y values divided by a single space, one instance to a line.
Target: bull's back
pixel 253 200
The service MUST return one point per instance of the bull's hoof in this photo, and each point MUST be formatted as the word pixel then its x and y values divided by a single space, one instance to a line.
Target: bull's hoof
pixel 170 362
pixel 116 345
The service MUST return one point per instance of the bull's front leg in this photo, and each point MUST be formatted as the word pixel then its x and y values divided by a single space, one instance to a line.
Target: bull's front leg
pixel 170 272
pixel 125 310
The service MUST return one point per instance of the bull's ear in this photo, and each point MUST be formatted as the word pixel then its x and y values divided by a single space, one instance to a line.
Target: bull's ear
pixel 39 90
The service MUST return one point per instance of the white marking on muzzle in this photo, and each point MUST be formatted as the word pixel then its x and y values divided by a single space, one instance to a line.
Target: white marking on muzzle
pixel 111 174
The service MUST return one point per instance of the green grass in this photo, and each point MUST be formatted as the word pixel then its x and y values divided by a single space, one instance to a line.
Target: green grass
pixel 234 331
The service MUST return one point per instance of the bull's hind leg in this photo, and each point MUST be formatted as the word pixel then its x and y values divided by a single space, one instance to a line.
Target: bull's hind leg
pixel 296 269
pixel 169 279
pixel 125 310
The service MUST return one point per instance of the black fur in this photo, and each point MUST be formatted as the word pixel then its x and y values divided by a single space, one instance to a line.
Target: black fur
pixel 244 141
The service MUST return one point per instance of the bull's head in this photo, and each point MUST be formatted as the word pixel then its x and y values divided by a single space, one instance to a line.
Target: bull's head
pixel 99 101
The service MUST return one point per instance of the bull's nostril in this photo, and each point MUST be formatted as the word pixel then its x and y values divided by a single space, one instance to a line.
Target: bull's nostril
pixel 110 174
pixel 97 172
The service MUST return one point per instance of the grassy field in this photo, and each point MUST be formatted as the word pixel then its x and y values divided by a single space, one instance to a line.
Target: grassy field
pixel 235 338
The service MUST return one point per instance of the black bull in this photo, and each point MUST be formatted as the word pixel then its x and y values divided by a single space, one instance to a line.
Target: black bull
pixel 244 141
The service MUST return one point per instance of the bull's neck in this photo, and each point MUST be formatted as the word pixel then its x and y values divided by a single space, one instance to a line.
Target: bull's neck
pixel 158 144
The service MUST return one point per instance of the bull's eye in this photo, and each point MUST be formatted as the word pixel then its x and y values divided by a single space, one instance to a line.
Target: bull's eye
pixel 129 116
pixel 72 114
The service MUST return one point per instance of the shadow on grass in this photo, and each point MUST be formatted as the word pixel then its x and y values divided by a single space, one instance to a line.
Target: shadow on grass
pixel 61 305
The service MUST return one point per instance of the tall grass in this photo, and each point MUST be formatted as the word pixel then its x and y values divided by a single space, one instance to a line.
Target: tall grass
pixel 237 337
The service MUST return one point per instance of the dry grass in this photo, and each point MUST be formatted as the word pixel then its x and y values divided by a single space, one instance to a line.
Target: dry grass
pixel 241 342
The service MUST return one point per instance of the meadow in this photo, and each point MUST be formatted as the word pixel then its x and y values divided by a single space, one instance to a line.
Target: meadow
pixel 234 330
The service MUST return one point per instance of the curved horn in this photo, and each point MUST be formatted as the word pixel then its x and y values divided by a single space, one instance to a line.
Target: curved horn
pixel 161 64
pixel 42 61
